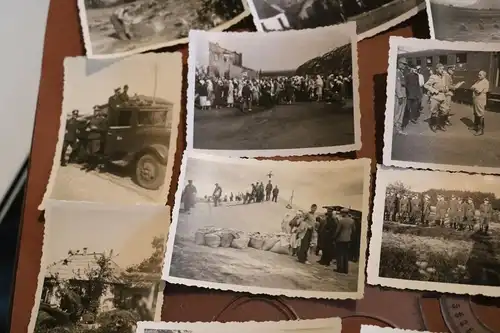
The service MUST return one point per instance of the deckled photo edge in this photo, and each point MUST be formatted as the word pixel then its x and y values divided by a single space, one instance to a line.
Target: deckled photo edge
pixel 379 329
pixel 356 98
pixel 358 294
pixel 84 27
pixel 60 134
pixel 383 178
pixel 430 19
pixel 334 322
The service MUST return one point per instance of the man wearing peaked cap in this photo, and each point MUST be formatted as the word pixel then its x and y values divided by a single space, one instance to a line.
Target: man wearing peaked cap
pixel 454 212
pixel 486 211
pixel 70 137
pixel 400 96
pixel 437 87
pixel 426 209
pixel 470 213
pixel 343 235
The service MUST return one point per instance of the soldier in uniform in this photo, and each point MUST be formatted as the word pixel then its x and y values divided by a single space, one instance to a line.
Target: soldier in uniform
pixel 461 214
pixel 486 211
pixel 97 133
pixel 454 212
pixel 469 213
pixel 390 206
pixel 426 210
pixel 441 210
pixel 115 100
pixel 70 138
pixel 437 89
pixel 449 94
pixel 415 209
pixel 480 91
pixel 400 96
pixel 404 209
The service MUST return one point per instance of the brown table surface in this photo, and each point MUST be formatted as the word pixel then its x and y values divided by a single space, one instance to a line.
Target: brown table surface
pixel 402 309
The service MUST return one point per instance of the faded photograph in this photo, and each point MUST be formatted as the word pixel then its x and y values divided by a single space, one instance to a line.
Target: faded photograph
pixel 248 99
pixel 378 329
pixel 238 222
pixel 464 20
pixel 113 28
pixel 101 268
pixel 445 110
pixel 437 231
pixel 371 16
pixel 118 130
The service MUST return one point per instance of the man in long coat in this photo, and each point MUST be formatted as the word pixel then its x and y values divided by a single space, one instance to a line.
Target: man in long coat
pixel 486 211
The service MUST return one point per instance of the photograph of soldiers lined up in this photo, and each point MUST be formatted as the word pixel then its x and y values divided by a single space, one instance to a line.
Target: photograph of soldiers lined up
pixel 371 16
pixel 237 222
pixel 248 96
pixel 118 130
pixel 101 268
pixel 133 26
pixel 437 227
pixel 465 20
pixel 444 97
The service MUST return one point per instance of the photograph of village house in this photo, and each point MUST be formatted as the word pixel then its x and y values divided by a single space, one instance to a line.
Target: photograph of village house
pixel 101 268
pixel 247 96
pixel 288 228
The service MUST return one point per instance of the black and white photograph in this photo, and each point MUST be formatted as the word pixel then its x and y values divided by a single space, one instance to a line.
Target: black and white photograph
pixel 371 16
pixel 270 227
pixel 118 28
pixel 118 132
pixel 443 110
pixel 464 20
pixel 280 93
pixel 436 231
pixel 378 329
pixel 101 268
pixel 330 325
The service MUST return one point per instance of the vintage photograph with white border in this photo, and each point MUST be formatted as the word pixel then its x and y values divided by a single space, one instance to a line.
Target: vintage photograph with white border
pixel 371 17
pixel 466 20
pixel 118 134
pixel 274 94
pixel 436 231
pixel 378 329
pixel 302 234
pixel 119 28
pixel 101 266
pixel 446 115
pixel 329 325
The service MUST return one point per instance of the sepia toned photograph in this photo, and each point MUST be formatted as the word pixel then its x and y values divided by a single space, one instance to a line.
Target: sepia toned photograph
pixel 118 28
pixel 258 94
pixel 464 20
pixel 237 222
pixel 378 329
pixel 371 16
pixel 330 325
pixel 436 231
pixel 442 108
pixel 118 132
pixel 101 268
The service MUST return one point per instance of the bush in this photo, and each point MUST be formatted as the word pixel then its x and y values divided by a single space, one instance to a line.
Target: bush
pixel 398 264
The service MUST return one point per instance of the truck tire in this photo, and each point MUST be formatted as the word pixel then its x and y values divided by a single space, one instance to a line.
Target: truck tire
pixel 149 172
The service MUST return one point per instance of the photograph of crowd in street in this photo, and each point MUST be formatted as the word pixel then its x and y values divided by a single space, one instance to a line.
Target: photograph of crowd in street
pixel 256 94
pixel 464 20
pixel 442 108
pixel 115 28
pixel 436 231
pixel 371 16
pixel 118 131
pixel 330 325
pixel 237 222
pixel 101 268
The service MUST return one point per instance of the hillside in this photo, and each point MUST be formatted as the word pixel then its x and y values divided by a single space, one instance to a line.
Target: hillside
pixel 338 60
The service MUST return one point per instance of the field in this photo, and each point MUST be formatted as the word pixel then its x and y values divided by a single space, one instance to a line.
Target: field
pixel 441 254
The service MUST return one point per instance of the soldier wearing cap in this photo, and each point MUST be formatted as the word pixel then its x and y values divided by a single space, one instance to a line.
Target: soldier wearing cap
pixel 441 210
pixel 70 138
pixel 343 235
pixel 426 209
pixel 390 206
pixel 326 237
pixel 437 88
pixel 470 213
pixel 449 94
pixel 486 211
pixel 115 100
pixel 454 212
pixel 217 194
pixel 400 96
pixel 480 91
pixel 415 209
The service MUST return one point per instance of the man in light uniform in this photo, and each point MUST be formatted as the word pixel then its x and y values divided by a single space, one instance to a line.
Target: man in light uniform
pixel 441 210
pixel 454 212
pixel 449 94
pixel 415 209
pixel 486 211
pixel 480 90
pixel 437 88
pixel 426 210
pixel 470 213
pixel 400 96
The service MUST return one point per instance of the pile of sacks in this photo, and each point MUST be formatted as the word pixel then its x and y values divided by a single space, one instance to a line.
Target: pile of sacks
pixel 223 237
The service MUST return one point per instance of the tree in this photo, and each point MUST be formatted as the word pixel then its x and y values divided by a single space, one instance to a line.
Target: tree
pixel 224 10
pixel 154 263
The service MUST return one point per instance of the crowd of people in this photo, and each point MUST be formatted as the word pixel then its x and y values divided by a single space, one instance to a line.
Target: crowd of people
pixel 245 92
pixel 455 212
pixel 414 94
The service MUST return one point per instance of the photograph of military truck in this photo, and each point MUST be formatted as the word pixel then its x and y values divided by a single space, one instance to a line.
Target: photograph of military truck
pixel 122 150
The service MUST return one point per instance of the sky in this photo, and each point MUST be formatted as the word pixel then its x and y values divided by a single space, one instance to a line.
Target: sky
pixel 324 185
pixel 421 181
pixel 274 51
pixel 468 3
pixel 128 231
pixel 92 82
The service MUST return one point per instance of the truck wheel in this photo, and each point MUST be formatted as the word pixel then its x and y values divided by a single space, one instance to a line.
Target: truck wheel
pixel 149 172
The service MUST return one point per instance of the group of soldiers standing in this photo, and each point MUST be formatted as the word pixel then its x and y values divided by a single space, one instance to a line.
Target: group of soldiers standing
pixel 457 213
pixel 413 94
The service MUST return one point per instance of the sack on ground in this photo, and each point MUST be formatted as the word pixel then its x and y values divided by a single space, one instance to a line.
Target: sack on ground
pixel 226 238
pixel 282 246
pixel 212 240
pixel 257 241
pixel 269 243
pixel 199 238
pixel 240 242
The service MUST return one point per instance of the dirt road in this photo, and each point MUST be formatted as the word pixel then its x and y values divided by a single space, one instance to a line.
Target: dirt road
pixel 300 125
pixel 72 183
pixel 457 146
pixel 249 267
